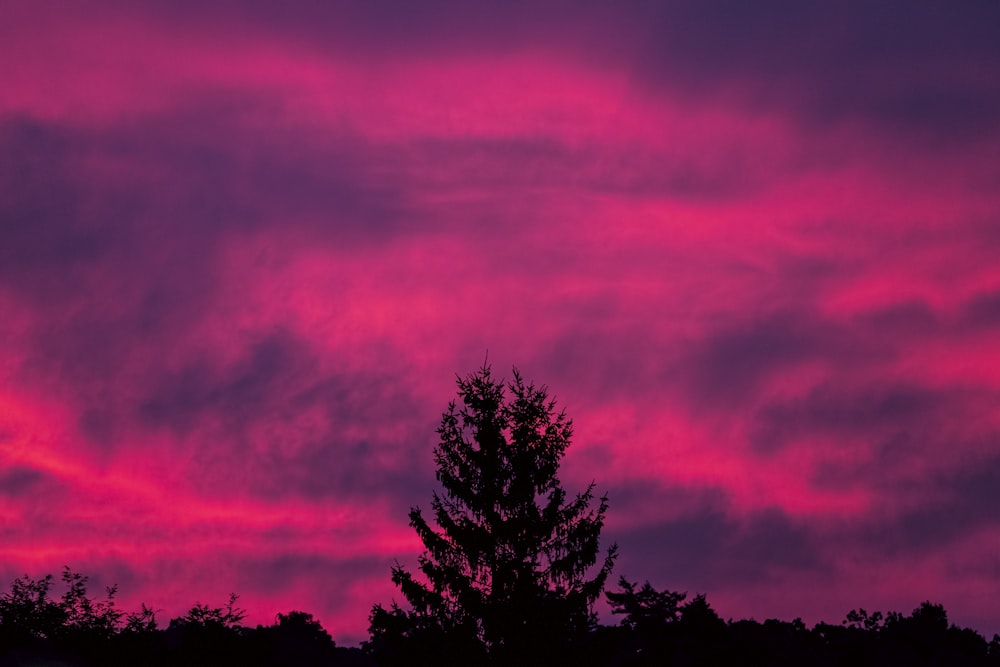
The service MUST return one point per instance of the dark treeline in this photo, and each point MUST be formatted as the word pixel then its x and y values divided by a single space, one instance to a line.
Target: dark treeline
pixel 511 569
pixel 40 626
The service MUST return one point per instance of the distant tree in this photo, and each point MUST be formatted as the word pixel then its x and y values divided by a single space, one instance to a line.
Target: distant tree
pixel 702 634
pixel 302 625
pixel 860 619
pixel 506 568
pixel 296 640
pixel 85 617
pixel 28 609
pixel 227 616
pixel 209 635
pixel 699 621
pixel 645 609
pixel 658 629
pixel 139 642
pixel 140 622
pixel 993 647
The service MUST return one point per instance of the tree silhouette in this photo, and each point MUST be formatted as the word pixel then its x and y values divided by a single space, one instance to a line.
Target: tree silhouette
pixel 296 640
pixel 202 615
pixel 505 570
pixel 209 635
pixel 84 616
pixel 647 608
pixel 30 609
pixel 37 628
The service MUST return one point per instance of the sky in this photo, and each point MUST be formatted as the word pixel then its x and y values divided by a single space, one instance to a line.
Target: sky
pixel 751 248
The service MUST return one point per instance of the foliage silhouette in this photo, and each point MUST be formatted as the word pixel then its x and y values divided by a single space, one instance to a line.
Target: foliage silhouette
pixel 297 639
pixel 200 614
pixel 28 611
pixel 74 629
pixel 657 628
pixel 38 628
pixel 646 608
pixel 505 571
pixel 29 608
pixel 84 616
pixel 700 637
pixel 140 622
pixel 503 581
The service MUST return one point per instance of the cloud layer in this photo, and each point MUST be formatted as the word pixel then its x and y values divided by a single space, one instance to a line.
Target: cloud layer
pixel 244 251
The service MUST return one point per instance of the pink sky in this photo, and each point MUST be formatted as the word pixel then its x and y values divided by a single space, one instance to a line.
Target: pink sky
pixel 245 249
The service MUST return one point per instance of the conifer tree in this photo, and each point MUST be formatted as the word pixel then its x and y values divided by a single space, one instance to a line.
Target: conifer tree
pixel 506 566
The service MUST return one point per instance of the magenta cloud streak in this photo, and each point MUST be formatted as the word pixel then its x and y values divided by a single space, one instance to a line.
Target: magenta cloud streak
pixel 244 251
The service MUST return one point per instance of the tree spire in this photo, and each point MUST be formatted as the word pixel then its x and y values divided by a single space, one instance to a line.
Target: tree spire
pixel 505 564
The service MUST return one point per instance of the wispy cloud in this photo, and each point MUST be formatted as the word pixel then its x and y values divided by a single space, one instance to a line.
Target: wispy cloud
pixel 244 251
